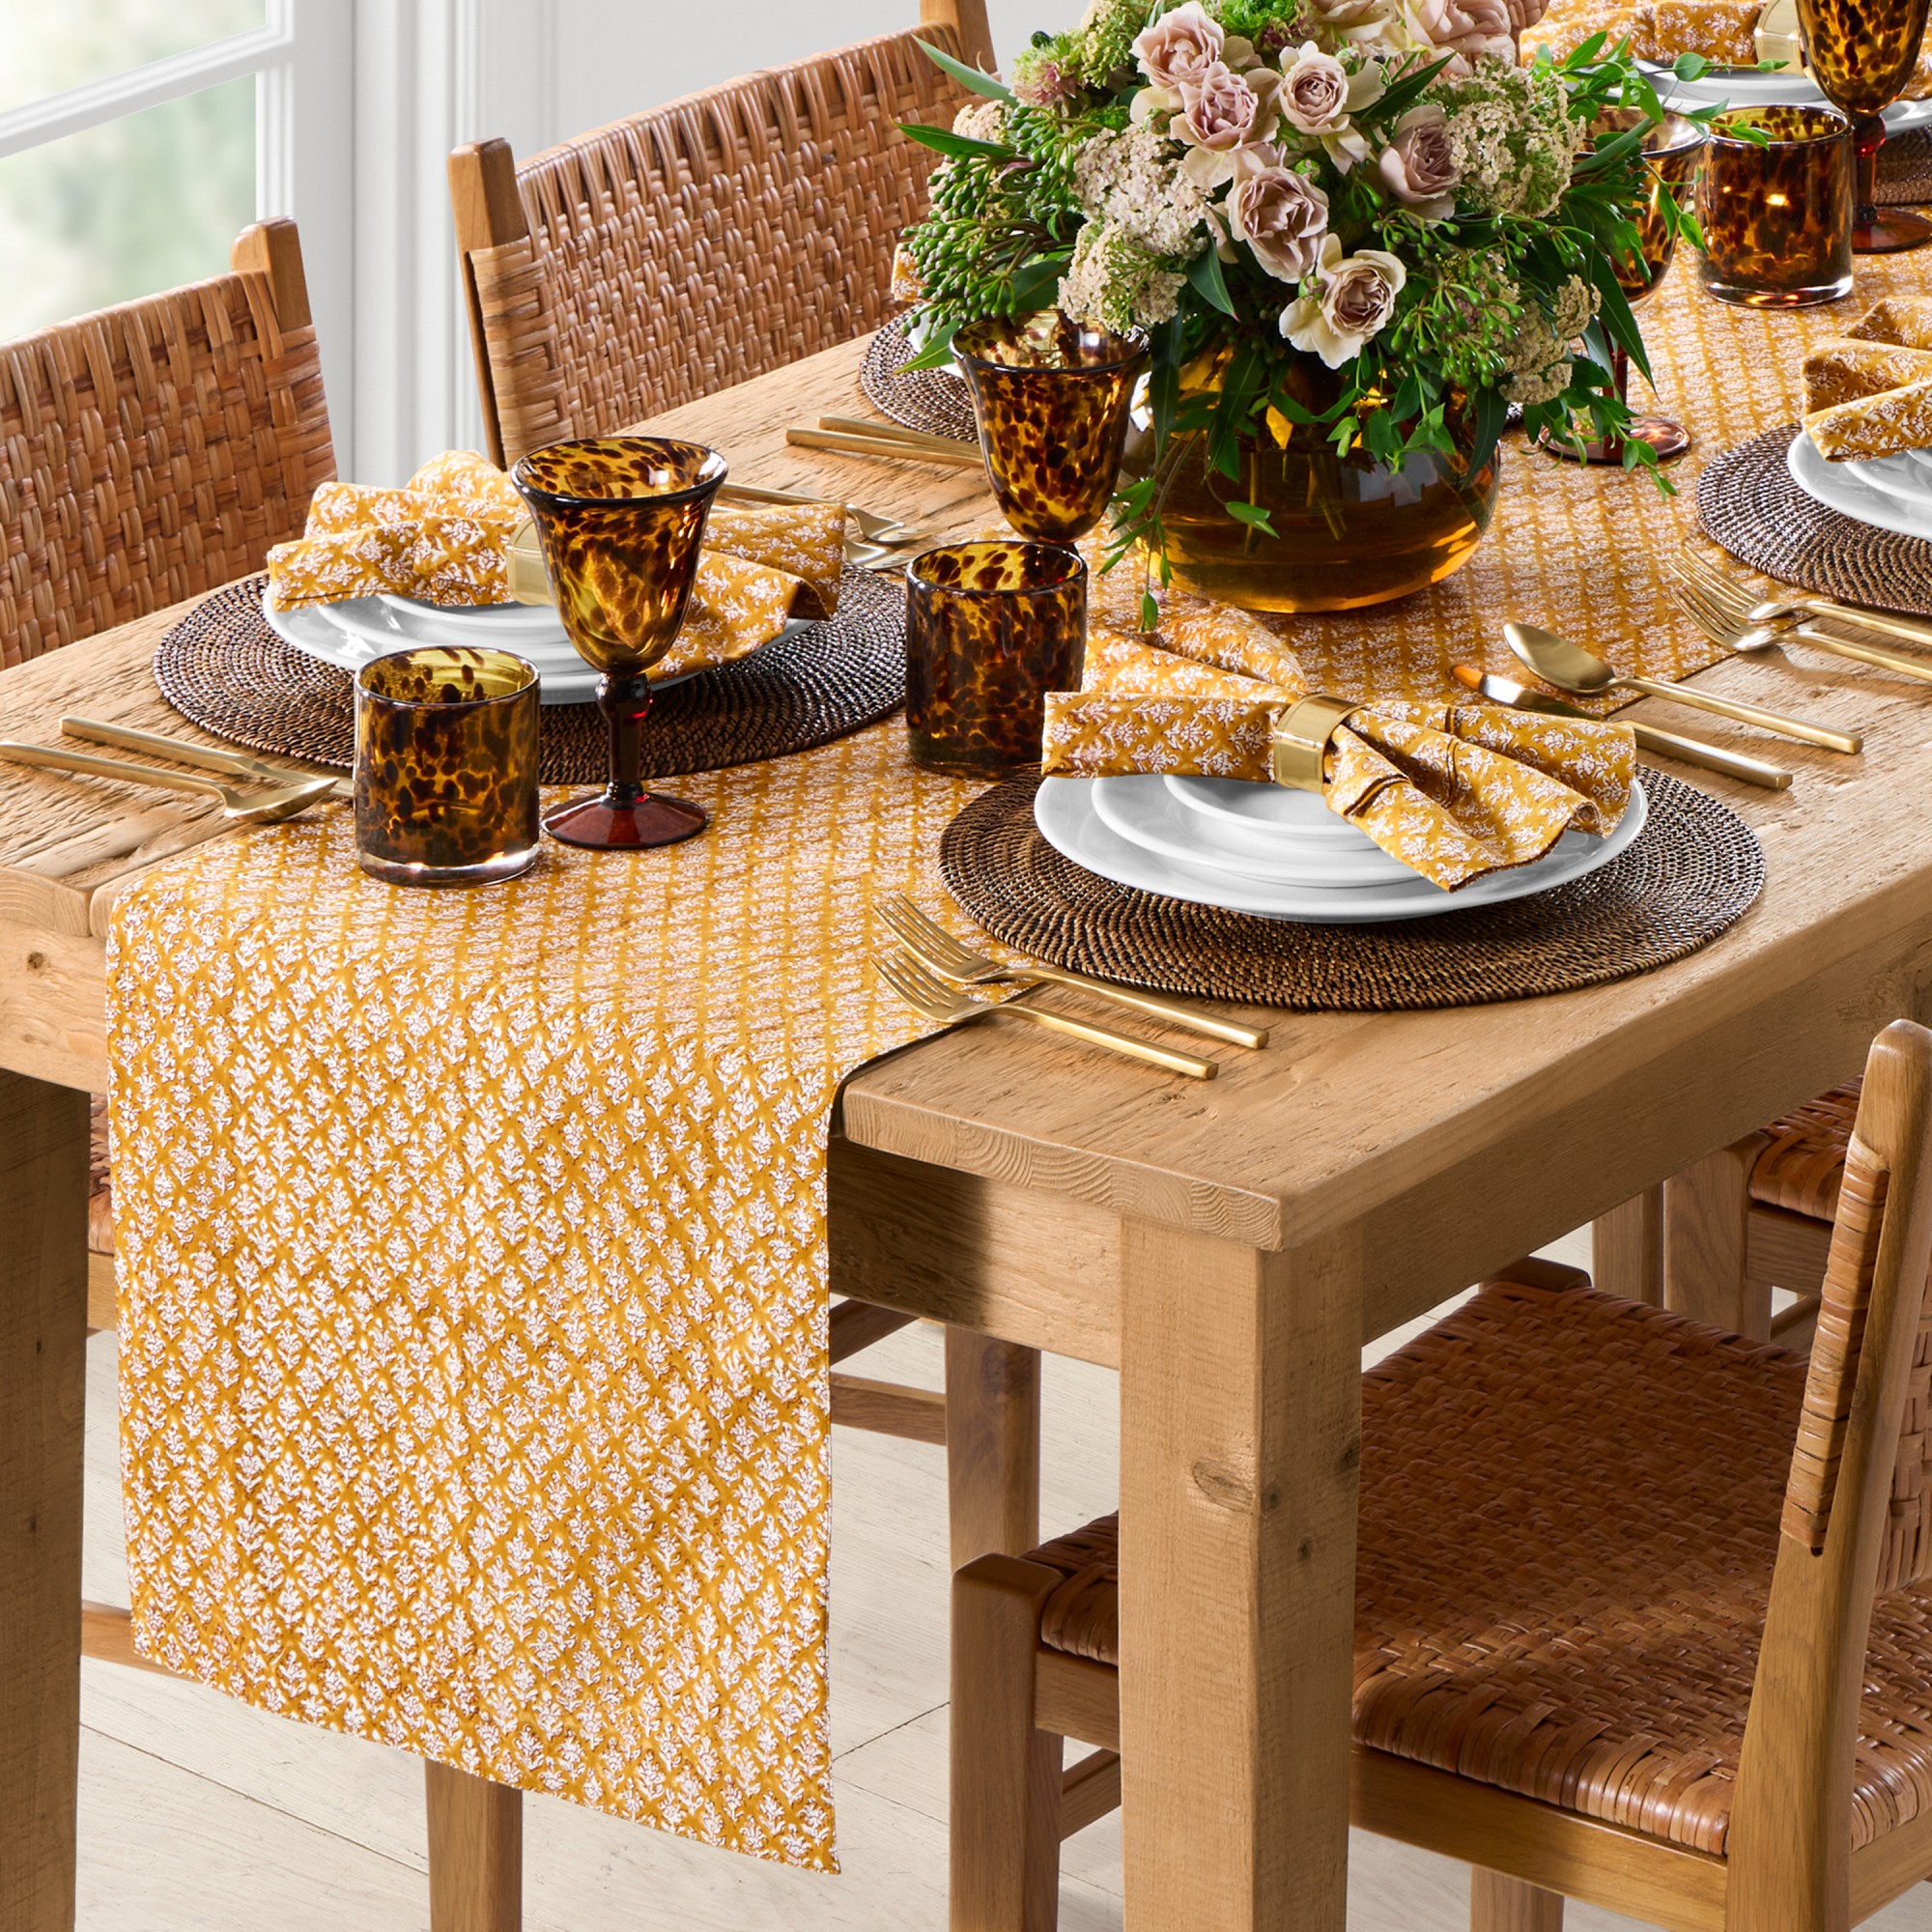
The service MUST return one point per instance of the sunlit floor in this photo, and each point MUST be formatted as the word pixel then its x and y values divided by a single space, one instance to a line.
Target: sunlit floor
pixel 198 1812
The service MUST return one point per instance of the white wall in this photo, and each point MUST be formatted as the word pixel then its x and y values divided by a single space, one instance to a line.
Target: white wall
pixel 615 57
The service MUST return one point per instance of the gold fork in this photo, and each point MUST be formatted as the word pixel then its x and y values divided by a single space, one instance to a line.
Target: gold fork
pixel 238 806
pixel 870 525
pixel 929 942
pixel 1792 605
pixel 918 989
pixel 1726 613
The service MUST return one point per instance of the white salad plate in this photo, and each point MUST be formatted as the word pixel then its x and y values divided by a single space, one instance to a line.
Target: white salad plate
pixel 1845 488
pixel 488 626
pixel 1065 810
pixel 1146 813
pixel 1751 87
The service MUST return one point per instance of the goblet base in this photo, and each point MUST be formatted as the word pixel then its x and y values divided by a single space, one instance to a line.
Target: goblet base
pixel 1669 440
pixel 1887 231
pixel 603 823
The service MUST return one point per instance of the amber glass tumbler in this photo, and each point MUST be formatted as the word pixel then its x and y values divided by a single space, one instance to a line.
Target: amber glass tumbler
pixel 990 629
pixel 1776 216
pixel 621 518
pixel 447 767
pixel 1052 398
pixel 1861 53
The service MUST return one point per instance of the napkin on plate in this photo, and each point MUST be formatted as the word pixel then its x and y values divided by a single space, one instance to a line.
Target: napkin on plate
pixel 1455 791
pixel 1869 391
pixel 445 537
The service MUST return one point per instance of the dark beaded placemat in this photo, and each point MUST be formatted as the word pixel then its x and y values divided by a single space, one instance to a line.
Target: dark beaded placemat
pixel 934 400
pixel 1693 873
pixel 228 671
pixel 1905 168
pixel 1747 502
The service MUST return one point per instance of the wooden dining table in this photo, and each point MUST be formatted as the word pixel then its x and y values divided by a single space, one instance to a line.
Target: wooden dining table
pixel 1227 1245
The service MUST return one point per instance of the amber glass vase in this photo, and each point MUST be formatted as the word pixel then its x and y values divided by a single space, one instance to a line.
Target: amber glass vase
pixel 1672 150
pixel 621 518
pixel 990 629
pixel 1052 398
pixel 447 767
pixel 1776 212
pixel 1861 53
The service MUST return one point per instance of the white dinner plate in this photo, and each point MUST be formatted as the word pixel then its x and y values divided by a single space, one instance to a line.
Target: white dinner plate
pixel 308 628
pixel 1897 477
pixel 1145 813
pixel 1064 812
pixel 1839 487
pixel 488 625
pixel 1751 87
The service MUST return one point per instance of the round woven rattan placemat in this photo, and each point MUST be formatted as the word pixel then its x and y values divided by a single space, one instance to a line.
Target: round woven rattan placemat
pixel 934 400
pixel 1905 168
pixel 1747 502
pixel 1694 871
pixel 228 671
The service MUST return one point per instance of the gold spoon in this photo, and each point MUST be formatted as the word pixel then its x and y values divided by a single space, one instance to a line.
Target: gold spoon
pixel 1571 667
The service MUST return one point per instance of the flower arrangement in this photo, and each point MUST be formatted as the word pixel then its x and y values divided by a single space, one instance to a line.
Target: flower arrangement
pixel 1359 220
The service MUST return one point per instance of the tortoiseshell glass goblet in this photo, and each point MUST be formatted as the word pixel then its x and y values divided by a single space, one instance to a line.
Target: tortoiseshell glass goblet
pixel 1671 151
pixel 1052 397
pixel 1774 202
pixel 621 518
pixel 990 629
pixel 447 767
pixel 1861 53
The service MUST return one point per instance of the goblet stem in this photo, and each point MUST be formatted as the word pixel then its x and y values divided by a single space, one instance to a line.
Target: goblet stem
pixel 624 815
pixel 1612 446
pixel 624 697
pixel 1875 230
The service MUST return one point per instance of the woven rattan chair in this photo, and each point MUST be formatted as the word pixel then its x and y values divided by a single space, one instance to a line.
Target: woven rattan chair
pixel 1642 1613
pixel 149 453
pixel 701 243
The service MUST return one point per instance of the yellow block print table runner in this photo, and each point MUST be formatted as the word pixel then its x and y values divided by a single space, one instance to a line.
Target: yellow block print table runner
pixel 471 1263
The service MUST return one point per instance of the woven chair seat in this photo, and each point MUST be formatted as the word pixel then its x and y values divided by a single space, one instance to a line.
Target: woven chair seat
pixel 1800 1171
pixel 1569 1512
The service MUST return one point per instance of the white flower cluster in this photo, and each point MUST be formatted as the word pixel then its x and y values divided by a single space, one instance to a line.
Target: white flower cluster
pixel 1540 363
pixel 1133 181
pixel 1117 285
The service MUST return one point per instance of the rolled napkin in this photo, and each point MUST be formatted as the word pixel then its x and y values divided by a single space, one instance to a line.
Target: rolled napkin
pixel 1869 391
pixel 445 537
pixel 1455 791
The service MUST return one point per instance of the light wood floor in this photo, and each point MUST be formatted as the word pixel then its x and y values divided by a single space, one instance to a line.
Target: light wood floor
pixel 197 1812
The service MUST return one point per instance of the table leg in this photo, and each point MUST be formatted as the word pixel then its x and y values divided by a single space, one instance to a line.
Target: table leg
pixel 992 1445
pixel 476 1851
pixel 1240 1444
pixel 1707 1243
pixel 43 1388
pixel 1627 1249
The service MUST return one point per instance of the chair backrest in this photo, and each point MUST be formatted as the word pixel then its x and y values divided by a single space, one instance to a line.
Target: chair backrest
pixel 1857 1514
pixel 156 450
pixel 699 244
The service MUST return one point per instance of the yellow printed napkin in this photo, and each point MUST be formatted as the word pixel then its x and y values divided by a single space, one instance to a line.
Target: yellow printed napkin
pixel 445 537
pixel 1453 790
pixel 1869 392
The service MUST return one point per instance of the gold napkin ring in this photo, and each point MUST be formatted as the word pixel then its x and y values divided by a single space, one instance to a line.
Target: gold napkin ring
pixel 1301 736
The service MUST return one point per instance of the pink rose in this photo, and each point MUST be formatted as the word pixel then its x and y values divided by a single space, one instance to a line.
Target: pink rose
pixel 1355 302
pixel 1220 112
pixel 1178 50
pixel 1315 91
pixel 1282 217
pixel 1419 165
pixel 1469 28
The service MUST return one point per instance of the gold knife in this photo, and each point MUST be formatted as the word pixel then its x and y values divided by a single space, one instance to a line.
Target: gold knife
pixel 1664 744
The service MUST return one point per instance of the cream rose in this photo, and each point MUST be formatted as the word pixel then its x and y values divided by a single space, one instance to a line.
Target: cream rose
pixel 1315 91
pixel 1179 47
pixel 1465 28
pixel 1419 165
pixel 1282 217
pixel 1353 303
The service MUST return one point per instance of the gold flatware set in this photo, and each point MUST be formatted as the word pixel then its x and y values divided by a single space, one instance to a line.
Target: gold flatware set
pixel 932 957
pixel 855 435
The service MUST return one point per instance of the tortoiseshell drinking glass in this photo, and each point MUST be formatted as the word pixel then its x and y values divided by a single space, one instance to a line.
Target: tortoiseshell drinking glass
pixel 1777 214
pixel 1671 151
pixel 621 518
pixel 990 629
pixel 1052 398
pixel 447 767
pixel 1861 53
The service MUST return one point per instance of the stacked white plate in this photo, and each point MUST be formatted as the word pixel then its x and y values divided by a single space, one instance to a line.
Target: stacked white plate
pixel 1891 492
pixel 1275 853
pixel 1752 87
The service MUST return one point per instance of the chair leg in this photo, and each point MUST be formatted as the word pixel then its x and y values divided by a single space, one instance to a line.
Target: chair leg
pixel 1627 1249
pixel 1706 1239
pixel 1005 1804
pixel 992 1445
pixel 1499 1904
pixel 476 1851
